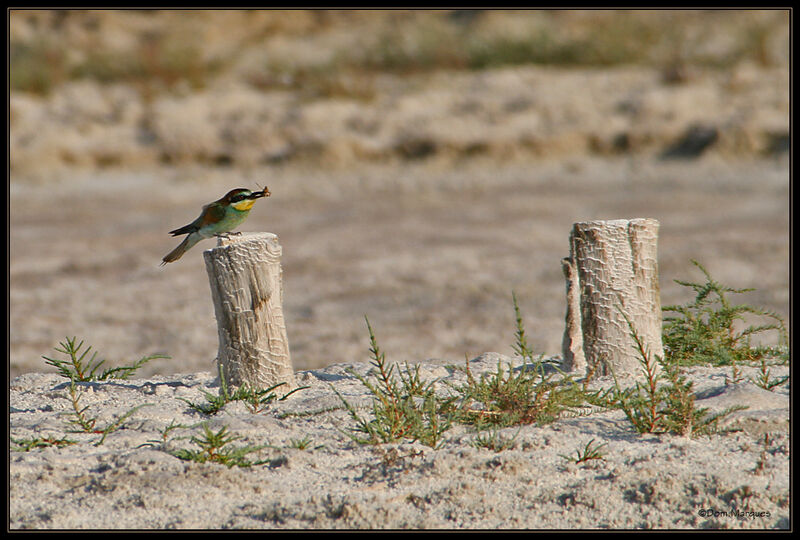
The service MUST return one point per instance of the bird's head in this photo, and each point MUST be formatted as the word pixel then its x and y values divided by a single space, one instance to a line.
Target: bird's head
pixel 242 198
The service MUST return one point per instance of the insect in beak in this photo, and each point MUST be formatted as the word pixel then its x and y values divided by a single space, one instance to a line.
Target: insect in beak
pixel 262 193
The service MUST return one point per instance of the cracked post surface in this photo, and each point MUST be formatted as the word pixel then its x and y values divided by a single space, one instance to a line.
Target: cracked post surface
pixel 612 265
pixel 245 275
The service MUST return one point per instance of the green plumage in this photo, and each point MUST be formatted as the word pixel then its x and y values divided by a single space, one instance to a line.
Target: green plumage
pixel 218 217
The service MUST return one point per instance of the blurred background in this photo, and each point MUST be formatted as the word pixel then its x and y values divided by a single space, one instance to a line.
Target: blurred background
pixel 422 164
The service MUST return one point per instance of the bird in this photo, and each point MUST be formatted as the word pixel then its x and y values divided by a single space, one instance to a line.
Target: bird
pixel 218 218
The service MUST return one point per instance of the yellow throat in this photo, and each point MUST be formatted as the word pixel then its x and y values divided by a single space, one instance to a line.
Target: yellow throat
pixel 244 205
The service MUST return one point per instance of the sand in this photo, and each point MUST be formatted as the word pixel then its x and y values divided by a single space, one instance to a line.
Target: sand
pixel 728 480
pixel 429 253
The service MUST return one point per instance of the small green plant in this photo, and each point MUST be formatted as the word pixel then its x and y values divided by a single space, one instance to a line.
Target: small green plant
pixel 26 445
pixel 520 346
pixel 301 444
pixel 764 378
pixel 642 404
pixel 531 395
pixel 164 440
pixel 665 408
pixel 494 441
pixel 215 447
pixel 78 369
pixel 736 374
pixel 256 400
pixel 703 332
pixel 680 414
pixel 589 453
pixel 87 424
pixel 407 409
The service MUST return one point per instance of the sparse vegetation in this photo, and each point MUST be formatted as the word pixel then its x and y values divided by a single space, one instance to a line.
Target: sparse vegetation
pixel 531 393
pixel 164 440
pixel 736 374
pixel 511 396
pixel 87 424
pixel 703 331
pixel 78 369
pixel 26 445
pixel 664 408
pixel 402 42
pixel 410 408
pixel 764 378
pixel 256 400
pixel 37 67
pixel 528 394
pixel 302 443
pixel 405 410
pixel 589 453
pixel 156 63
pixel 761 464
pixel 216 447
pixel 493 440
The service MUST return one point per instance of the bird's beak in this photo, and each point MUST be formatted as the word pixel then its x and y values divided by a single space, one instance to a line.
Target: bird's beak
pixel 259 194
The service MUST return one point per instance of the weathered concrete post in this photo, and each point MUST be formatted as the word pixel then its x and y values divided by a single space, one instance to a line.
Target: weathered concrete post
pixel 613 266
pixel 245 275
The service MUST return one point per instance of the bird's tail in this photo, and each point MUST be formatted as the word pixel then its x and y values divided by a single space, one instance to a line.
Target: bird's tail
pixel 182 248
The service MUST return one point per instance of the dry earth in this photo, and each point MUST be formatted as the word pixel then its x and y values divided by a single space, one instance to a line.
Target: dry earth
pixel 430 254
pixel 732 480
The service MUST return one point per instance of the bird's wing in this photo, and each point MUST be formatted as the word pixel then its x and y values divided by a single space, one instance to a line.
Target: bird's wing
pixel 186 229
pixel 212 213
pixel 194 225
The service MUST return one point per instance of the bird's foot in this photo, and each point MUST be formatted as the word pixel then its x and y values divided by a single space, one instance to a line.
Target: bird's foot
pixel 228 234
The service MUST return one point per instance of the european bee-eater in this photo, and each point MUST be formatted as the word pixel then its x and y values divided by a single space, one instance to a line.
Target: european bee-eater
pixel 216 219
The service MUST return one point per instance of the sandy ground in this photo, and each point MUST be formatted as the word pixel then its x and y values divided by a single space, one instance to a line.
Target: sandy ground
pixel 430 253
pixel 734 480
